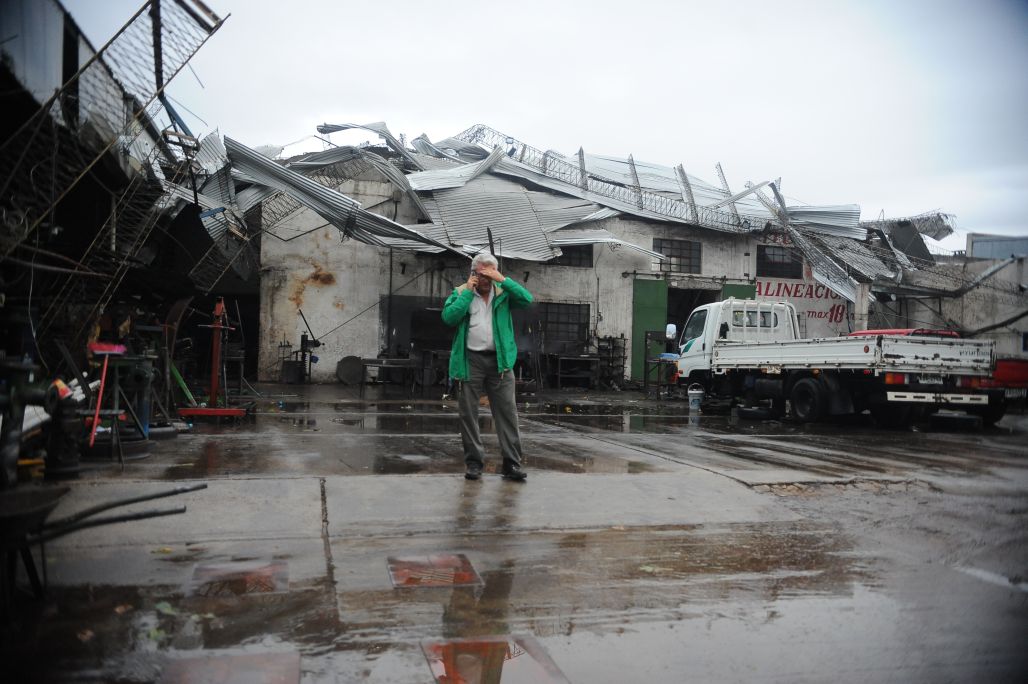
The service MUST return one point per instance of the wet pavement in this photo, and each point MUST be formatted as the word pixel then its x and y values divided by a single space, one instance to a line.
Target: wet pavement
pixel 338 541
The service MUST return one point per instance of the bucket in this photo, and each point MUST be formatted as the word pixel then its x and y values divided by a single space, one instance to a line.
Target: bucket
pixel 696 393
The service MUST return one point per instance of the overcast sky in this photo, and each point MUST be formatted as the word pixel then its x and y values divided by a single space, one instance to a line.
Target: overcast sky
pixel 901 107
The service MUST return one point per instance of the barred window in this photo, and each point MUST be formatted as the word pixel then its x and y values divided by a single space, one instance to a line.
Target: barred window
pixel 683 256
pixel 565 321
pixel 580 256
pixel 779 262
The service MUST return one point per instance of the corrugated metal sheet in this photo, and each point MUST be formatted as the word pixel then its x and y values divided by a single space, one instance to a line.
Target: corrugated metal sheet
pixel 934 224
pixel 342 155
pixel 856 256
pixel 497 204
pixel 248 198
pixel 454 177
pixel 396 177
pixel 840 220
pixel 521 219
pixel 333 155
pixel 382 130
pixel 556 212
pixel 338 209
pixel 423 145
pixel 185 194
pixel 430 163
pixel 822 267
pixel 211 157
pixel 596 236
pixel 600 215
pixel 464 149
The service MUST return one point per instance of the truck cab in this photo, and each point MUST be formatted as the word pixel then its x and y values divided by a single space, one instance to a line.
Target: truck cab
pixel 731 320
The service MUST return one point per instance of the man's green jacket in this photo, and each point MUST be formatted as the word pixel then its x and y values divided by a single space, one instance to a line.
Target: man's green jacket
pixel 457 313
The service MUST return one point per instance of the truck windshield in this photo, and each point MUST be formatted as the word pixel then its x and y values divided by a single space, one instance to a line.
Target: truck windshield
pixel 694 328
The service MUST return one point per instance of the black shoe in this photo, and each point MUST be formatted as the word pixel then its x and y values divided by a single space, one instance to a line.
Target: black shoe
pixel 515 474
pixel 473 472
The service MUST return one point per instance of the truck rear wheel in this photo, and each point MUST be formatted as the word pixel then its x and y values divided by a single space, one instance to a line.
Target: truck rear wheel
pixel 992 413
pixel 808 400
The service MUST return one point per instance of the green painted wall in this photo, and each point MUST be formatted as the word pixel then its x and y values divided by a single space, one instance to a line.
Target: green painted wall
pixel 739 291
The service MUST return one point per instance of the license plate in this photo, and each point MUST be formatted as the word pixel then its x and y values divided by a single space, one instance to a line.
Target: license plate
pixel 930 379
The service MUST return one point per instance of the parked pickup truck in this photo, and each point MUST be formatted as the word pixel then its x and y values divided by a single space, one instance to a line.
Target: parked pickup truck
pixel 751 351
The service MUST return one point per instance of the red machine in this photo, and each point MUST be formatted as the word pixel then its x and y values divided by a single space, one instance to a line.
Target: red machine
pixel 218 327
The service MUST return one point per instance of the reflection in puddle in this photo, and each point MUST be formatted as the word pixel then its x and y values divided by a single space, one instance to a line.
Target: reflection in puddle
pixel 486 660
pixel 406 424
pixel 305 421
pixel 616 409
pixel 437 570
pixel 244 668
pixel 627 422
pixel 236 578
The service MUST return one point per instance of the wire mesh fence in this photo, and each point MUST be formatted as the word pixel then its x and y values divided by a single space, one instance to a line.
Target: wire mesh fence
pixel 110 104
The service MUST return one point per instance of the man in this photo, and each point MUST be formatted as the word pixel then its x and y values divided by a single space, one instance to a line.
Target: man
pixel 483 357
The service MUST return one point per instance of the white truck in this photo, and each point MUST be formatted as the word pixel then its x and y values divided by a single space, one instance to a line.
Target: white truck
pixel 750 351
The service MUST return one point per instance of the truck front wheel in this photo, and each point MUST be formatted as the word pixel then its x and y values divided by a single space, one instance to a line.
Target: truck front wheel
pixel 808 400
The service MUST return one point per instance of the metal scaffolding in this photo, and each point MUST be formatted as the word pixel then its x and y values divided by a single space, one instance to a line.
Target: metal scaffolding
pixel 108 108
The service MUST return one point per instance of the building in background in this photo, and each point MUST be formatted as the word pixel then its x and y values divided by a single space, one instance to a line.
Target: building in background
pixel 982 246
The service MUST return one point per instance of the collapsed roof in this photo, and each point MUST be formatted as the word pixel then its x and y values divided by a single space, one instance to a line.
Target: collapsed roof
pixel 535 202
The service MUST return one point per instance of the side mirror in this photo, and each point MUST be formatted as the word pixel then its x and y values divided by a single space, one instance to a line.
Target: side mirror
pixel 671 331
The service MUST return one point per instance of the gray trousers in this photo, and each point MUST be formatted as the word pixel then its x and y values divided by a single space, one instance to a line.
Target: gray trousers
pixel 500 390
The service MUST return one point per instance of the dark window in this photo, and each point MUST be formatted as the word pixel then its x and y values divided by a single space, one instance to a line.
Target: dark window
pixel 574 255
pixel 569 322
pixel 683 256
pixel 779 262
pixel 694 328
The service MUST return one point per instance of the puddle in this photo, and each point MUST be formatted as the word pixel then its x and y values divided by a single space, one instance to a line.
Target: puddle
pixel 244 668
pixel 236 578
pixel 626 422
pixel 611 409
pixel 515 660
pixel 552 584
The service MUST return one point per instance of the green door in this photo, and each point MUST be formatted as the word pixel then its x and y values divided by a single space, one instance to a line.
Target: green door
pixel 649 312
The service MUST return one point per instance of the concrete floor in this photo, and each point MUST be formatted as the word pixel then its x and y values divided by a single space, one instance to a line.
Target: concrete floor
pixel 647 545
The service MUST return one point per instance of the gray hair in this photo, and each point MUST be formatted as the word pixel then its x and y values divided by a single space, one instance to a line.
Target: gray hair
pixel 483 259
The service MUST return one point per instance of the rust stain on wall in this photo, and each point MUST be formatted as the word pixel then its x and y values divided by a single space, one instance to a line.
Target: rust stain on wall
pixel 339 303
pixel 319 277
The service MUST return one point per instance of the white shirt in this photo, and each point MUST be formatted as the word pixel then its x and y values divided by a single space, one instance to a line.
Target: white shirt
pixel 480 332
